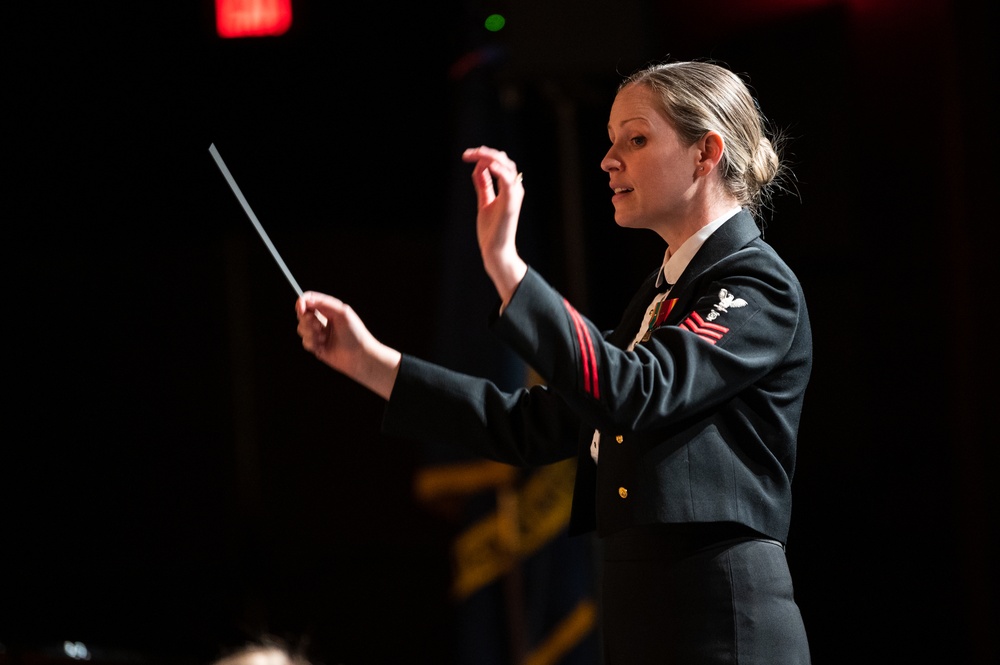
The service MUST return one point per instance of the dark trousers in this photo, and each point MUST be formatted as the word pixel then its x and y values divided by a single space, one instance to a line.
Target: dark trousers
pixel 695 597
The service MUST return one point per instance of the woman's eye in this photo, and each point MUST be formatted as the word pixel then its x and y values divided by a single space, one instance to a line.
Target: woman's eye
pixel 638 140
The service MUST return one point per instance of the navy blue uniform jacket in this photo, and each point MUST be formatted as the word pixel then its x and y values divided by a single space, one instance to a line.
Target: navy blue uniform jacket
pixel 698 423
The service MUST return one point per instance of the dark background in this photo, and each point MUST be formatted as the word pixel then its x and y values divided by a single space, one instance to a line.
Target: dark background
pixel 176 471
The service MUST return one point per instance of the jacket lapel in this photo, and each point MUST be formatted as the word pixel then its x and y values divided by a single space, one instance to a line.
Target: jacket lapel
pixel 635 313
pixel 731 236
pixel 728 238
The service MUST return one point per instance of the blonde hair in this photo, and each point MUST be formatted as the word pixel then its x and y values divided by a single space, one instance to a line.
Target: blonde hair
pixel 266 651
pixel 698 97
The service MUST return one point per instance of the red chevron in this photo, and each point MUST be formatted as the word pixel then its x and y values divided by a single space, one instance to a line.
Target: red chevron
pixel 710 332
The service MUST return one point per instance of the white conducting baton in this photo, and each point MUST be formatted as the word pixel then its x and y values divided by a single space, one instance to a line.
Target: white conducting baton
pixel 260 229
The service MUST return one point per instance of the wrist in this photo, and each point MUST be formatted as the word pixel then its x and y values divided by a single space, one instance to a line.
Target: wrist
pixel 507 275
pixel 379 368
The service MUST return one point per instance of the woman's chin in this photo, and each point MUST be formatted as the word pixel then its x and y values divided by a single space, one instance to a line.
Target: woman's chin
pixel 627 221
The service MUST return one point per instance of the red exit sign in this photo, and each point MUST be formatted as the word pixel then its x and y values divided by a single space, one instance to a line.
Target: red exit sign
pixel 252 18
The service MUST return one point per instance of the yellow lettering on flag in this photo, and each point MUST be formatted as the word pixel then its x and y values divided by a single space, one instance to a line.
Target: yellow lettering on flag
pixel 527 518
pixel 570 632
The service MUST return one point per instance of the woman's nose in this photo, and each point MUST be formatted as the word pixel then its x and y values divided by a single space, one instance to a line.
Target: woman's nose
pixel 609 163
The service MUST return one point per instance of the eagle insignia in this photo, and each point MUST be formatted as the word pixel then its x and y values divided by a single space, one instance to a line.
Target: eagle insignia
pixel 726 300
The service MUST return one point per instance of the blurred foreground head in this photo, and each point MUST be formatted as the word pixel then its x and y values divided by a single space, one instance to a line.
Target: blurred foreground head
pixel 263 652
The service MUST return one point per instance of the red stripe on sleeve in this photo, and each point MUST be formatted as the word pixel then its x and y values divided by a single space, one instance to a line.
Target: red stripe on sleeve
pixel 584 360
pixel 587 357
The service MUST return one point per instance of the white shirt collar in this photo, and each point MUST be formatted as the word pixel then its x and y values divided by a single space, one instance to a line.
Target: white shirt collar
pixel 674 263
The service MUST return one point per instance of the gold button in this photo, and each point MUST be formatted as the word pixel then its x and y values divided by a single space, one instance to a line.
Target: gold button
pixel 619 438
pixel 622 492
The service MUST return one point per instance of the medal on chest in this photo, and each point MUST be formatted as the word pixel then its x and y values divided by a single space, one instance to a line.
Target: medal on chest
pixel 657 314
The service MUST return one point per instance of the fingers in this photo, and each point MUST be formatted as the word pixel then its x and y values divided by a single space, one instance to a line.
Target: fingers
pixel 314 311
pixel 318 304
pixel 482 182
pixel 314 335
pixel 491 163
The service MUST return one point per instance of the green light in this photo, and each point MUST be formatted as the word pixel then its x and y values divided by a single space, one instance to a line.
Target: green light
pixel 495 22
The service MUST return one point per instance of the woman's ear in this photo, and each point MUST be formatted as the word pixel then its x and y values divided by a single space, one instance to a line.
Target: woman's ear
pixel 710 148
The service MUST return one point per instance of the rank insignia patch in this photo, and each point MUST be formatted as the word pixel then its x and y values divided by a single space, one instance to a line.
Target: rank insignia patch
pixel 710 332
pixel 704 327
